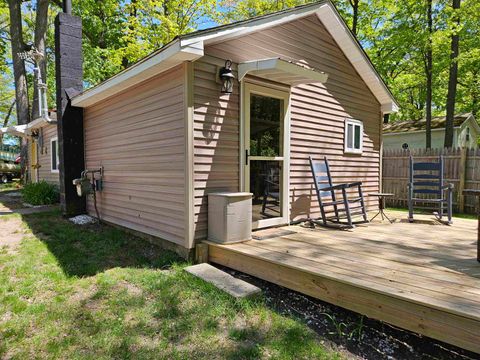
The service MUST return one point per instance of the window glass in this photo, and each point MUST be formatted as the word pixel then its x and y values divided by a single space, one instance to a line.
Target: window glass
pixel 357 137
pixel 265 126
pixel 54 154
pixel 349 136
pixel 353 136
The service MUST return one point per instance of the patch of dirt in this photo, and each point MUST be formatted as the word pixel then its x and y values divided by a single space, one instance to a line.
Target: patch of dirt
pixel 10 201
pixel 84 298
pixel 132 289
pixel 11 234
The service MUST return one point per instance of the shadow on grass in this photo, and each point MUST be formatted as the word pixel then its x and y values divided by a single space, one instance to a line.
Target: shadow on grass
pixel 90 249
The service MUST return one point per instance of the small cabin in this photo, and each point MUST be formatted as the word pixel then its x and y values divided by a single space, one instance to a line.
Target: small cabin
pixel 411 134
pixel 42 148
pixel 174 127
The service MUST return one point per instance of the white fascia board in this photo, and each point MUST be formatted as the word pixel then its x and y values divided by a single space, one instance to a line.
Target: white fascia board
pixel 167 58
pixel 474 123
pixel 16 130
pixel 220 35
pixel 39 123
pixel 347 43
pixel 304 75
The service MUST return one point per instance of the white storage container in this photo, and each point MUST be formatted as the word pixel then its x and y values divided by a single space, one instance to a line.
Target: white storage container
pixel 229 217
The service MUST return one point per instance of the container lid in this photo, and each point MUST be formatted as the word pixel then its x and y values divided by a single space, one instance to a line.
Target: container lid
pixel 232 194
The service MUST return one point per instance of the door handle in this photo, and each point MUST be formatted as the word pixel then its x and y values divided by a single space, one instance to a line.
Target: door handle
pixel 246 156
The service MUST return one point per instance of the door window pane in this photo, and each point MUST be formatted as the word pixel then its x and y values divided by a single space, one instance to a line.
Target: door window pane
pixel 266 185
pixel 265 126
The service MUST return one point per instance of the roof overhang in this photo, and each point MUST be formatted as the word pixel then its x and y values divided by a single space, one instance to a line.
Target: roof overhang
pixel 281 71
pixel 191 47
pixel 471 119
pixel 413 131
pixel 15 130
pixel 168 57
pixel 40 123
pixel 334 24
pixel 26 130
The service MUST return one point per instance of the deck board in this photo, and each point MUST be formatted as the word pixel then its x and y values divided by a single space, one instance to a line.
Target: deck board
pixel 422 277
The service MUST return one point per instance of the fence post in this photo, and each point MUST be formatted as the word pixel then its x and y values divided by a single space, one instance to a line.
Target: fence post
pixel 462 169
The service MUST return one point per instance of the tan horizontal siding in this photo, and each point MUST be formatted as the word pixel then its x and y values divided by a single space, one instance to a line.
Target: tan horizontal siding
pixel 44 156
pixel 138 137
pixel 216 139
pixel 318 112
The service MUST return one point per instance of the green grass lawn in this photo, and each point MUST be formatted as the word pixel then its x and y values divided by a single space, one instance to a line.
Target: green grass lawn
pixel 97 293
pixel 13 185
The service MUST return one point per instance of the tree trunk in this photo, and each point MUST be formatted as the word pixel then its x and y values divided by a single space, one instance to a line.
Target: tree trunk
pixel 452 80
pixel 354 4
pixel 41 23
pixel 428 73
pixel 16 35
pixel 7 117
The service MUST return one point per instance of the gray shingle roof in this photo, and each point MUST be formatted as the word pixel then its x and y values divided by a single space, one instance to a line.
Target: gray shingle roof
pixel 438 122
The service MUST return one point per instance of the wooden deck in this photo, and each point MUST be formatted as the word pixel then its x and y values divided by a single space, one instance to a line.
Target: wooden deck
pixel 423 277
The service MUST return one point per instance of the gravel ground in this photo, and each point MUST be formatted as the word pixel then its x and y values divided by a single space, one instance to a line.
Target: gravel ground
pixel 361 336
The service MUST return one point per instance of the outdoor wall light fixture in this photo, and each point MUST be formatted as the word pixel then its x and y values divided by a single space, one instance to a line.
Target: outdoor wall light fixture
pixel 227 77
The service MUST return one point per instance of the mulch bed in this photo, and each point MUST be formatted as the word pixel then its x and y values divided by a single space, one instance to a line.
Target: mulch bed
pixel 361 336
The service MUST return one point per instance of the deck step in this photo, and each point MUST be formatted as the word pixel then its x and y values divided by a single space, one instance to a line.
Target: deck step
pixel 237 288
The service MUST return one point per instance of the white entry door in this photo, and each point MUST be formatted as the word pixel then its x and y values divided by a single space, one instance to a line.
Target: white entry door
pixel 266 149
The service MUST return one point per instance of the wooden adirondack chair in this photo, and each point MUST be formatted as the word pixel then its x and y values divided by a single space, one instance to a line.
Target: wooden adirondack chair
pixel 333 209
pixel 427 178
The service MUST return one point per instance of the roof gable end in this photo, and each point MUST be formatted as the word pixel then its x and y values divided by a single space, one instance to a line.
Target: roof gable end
pixel 191 46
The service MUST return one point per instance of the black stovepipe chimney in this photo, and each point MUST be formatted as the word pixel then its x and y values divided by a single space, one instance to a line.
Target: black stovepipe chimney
pixel 67 7
pixel 69 81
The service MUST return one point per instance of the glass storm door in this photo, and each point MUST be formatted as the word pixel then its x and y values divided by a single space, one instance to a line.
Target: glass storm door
pixel 266 150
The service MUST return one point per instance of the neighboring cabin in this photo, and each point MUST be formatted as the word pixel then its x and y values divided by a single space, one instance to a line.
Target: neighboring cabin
pixel 166 135
pixel 42 144
pixel 465 133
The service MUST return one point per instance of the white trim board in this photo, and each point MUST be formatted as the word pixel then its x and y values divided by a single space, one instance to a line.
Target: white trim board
pixel 191 47
pixel 265 90
pixel 165 59
pixel 281 71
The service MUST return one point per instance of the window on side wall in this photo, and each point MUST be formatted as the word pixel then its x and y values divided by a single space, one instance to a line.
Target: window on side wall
pixel 353 136
pixel 54 155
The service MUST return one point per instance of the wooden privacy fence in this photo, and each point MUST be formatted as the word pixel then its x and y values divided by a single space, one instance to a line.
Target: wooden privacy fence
pixel 462 168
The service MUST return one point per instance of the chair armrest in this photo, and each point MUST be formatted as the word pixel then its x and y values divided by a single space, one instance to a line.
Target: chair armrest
pixel 343 186
pixel 354 184
pixel 448 186
pixel 271 182
pixel 335 187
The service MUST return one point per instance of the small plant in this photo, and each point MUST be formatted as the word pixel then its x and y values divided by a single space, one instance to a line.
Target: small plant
pixel 340 327
pixel 41 193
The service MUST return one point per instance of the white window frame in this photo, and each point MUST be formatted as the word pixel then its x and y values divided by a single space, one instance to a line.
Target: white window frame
pixel 51 153
pixel 352 150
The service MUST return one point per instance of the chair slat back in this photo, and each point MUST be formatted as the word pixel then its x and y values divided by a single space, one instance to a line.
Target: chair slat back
pixel 427 177
pixel 321 176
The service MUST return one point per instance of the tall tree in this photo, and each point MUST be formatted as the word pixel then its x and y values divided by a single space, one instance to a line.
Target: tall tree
pixel 19 72
pixel 453 75
pixel 40 33
pixel 429 76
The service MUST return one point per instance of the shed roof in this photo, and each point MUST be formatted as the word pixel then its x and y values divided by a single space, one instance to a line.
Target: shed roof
pixel 190 47
pixel 438 122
